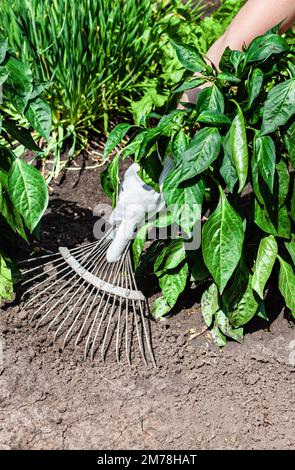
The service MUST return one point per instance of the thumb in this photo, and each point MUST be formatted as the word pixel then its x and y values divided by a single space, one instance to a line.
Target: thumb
pixel 123 235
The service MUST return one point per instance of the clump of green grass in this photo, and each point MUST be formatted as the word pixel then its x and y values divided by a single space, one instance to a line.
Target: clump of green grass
pixel 95 53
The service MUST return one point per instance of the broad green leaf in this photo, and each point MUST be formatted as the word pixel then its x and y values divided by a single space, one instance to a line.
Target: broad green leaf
pixel 20 82
pixel 223 324
pixel 185 203
pixel 6 284
pixel 132 148
pixel 179 145
pixel 256 179
pixel 289 138
pixel 160 307
pixel 188 85
pixel 291 248
pixel 292 203
pixel 110 179
pixel 3 49
pixel 151 99
pixel 116 136
pixel 175 116
pixel 201 153
pixel 222 241
pixel 228 169
pixel 232 61
pixel 217 336
pixel 150 169
pixel 28 192
pixel 38 89
pixel 173 283
pixel 239 148
pixel 238 285
pixel 150 136
pixel 287 284
pixel 277 224
pixel 261 312
pixel 163 219
pixel 265 153
pixel 228 78
pixel 209 304
pixel 210 99
pixel 254 86
pixel 279 106
pixel 282 182
pixel 138 243
pixel 21 134
pixel 190 57
pixel 170 257
pixel 266 256
pixel 246 308
pixel 213 117
pixel 10 213
pixel 4 74
pixel 38 114
pixel 262 47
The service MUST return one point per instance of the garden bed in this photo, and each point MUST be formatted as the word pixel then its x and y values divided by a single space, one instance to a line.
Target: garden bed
pixel 197 398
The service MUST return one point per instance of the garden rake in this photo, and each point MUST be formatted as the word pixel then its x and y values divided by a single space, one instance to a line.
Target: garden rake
pixel 83 298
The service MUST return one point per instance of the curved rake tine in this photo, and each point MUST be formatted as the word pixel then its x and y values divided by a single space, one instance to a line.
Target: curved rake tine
pixel 118 267
pixel 54 295
pixel 120 275
pixel 139 337
pixel 101 266
pixel 59 300
pixel 50 277
pixel 143 319
pixel 117 270
pixel 49 300
pixel 72 296
pixel 95 317
pixel 118 332
pixel 77 316
pixel 97 311
pixel 71 310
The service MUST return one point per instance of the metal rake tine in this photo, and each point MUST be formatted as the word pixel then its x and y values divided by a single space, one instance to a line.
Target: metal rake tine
pixel 55 293
pixel 77 317
pixel 96 314
pixel 47 279
pixel 147 336
pixel 103 266
pixel 118 267
pixel 72 309
pixel 36 258
pixel 49 300
pixel 139 337
pixel 58 300
pixel 115 297
pixel 86 317
pixel 107 328
pixel 71 298
pixel 118 331
pixel 102 315
pixel 48 287
pixel 42 274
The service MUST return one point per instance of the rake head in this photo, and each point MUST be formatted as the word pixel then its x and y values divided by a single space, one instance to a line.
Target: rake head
pixel 82 298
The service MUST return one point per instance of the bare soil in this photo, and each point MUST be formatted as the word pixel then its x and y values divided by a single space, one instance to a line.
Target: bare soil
pixel 198 397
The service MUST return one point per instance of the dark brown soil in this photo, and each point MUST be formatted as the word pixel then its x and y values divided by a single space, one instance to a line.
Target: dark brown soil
pixel 197 398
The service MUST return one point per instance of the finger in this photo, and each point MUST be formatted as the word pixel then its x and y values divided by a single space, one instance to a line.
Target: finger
pixel 123 235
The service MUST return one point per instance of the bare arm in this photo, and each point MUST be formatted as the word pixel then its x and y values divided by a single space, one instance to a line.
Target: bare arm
pixel 254 19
